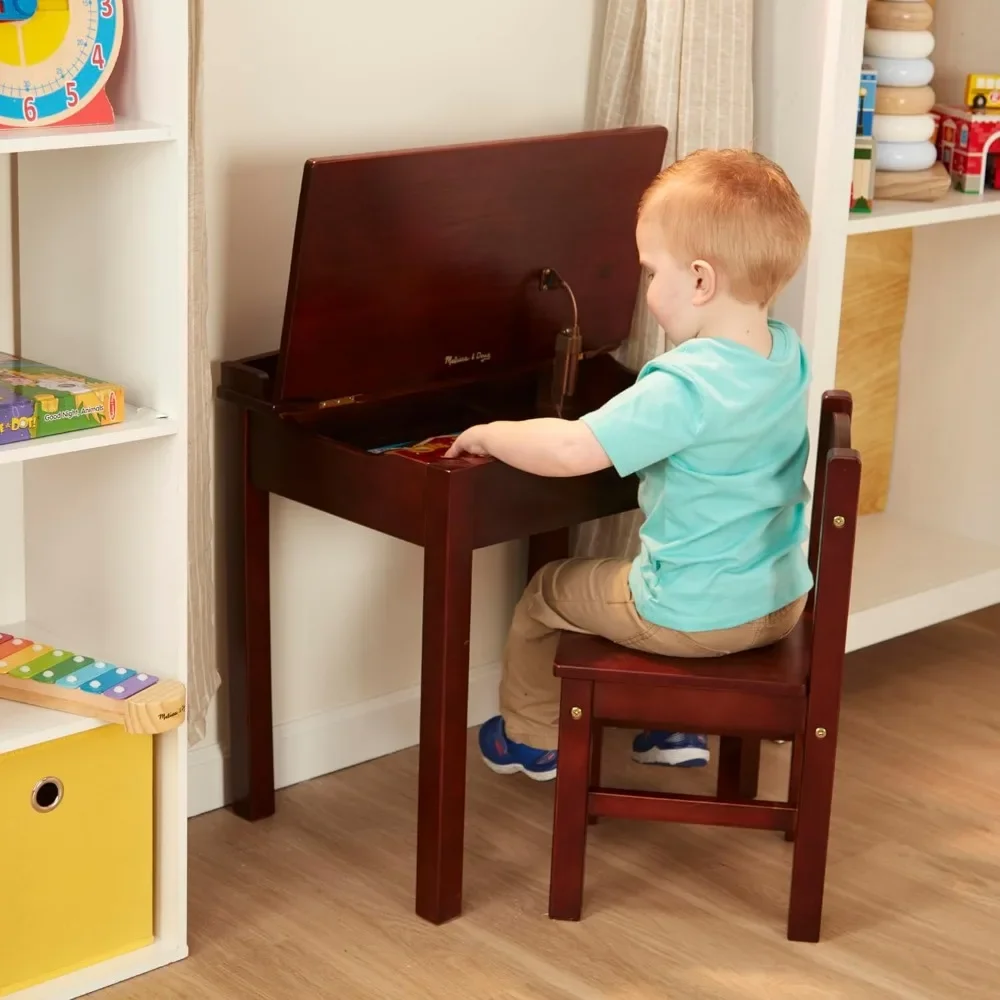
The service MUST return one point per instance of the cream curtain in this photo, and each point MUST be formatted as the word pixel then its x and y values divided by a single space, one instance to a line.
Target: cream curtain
pixel 203 676
pixel 685 64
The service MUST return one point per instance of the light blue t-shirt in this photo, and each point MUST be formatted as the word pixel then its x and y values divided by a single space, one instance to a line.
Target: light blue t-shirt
pixel 718 436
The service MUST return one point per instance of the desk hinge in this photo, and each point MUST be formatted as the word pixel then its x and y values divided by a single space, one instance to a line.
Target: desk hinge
pixel 568 355
pixel 305 411
pixel 327 404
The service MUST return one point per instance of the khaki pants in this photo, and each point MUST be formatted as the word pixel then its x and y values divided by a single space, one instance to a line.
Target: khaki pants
pixel 593 596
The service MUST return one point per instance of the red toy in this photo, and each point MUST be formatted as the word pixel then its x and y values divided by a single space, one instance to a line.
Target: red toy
pixel 968 144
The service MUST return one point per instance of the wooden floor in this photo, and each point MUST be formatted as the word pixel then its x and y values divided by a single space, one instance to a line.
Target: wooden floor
pixel 316 902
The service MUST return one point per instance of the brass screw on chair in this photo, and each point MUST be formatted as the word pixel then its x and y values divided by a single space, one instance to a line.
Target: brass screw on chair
pixel 839 522
pixel 821 733
pixel 577 713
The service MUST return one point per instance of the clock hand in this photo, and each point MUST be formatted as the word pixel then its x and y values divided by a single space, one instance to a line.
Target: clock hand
pixel 17 10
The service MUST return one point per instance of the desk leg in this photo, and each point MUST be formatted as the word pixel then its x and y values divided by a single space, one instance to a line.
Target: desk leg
pixel 546 548
pixel 251 735
pixel 444 698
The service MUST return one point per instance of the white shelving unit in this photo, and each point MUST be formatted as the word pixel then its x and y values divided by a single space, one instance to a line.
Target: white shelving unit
pixel 93 277
pixel 935 551
pixel 123 132
pixel 953 207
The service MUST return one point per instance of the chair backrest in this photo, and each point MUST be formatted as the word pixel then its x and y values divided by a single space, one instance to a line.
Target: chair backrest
pixel 831 538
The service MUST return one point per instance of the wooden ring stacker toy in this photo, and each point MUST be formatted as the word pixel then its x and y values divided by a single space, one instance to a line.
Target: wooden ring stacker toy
pixel 903 100
pixel 913 185
pixel 893 16
pixel 905 156
pixel 902 72
pixel 898 44
pixel 903 128
pixel 34 673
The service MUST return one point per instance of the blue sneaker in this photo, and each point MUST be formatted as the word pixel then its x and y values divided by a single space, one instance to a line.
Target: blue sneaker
pixel 671 749
pixel 507 757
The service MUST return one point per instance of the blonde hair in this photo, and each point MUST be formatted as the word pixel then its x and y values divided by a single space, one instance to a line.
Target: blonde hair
pixel 737 210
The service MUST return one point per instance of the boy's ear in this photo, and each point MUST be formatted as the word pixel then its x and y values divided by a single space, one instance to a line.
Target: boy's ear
pixel 705 282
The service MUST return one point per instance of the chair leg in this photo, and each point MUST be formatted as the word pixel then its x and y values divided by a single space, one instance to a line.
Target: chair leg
pixel 569 827
pixel 812 834
pixel 739 768
pixel 596 749
pixel 794 782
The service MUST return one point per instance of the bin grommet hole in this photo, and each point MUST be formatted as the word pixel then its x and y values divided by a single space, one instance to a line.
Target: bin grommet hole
pixel 46 795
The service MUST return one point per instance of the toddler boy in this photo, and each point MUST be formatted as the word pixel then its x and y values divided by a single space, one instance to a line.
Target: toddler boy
pixel 716 431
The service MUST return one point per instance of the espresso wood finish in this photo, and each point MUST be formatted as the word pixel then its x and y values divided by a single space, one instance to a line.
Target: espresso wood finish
pixel 424 268
pixel 789 690
pixel 739 768
pixel 467 335
pixel 251 733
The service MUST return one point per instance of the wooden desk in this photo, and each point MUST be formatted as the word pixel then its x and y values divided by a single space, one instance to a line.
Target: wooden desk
pixel 462 335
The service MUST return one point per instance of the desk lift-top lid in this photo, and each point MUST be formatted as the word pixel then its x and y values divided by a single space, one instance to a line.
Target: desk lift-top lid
pixel 417 269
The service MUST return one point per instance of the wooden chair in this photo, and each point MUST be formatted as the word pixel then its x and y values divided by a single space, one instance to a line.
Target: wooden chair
pixel 790 690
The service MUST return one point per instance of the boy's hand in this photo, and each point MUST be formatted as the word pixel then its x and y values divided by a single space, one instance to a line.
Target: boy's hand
pixel 544 446
pixel 470 442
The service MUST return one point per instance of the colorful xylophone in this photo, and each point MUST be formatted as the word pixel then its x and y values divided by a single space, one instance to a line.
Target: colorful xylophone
pixel 38 674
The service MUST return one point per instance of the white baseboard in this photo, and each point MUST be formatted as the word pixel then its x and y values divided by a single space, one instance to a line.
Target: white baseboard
pixel 318 744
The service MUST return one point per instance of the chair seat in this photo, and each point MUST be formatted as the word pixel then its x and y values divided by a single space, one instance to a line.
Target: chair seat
pixel 778 670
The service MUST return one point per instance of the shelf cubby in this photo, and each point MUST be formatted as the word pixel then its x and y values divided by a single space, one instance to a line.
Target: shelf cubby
pixel 930 548
pixel 96 551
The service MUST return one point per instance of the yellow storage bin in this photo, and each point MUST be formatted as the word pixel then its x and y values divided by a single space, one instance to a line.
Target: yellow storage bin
pixel 76 862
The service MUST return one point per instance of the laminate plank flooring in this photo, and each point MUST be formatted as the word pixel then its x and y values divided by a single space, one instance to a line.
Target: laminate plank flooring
pixel 316 902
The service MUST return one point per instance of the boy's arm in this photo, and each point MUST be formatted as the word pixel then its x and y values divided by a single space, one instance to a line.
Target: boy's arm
pixel 544 447
pixel 653 419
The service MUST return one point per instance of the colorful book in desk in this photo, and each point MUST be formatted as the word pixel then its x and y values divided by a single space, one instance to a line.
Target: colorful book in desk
pixel 430 450
pixel 35 673
pixel 37 400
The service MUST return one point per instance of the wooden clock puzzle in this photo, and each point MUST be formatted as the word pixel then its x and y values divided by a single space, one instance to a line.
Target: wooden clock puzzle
pixel 56 57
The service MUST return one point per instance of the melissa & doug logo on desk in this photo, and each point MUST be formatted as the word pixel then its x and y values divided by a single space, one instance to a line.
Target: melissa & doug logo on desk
pixel 461 359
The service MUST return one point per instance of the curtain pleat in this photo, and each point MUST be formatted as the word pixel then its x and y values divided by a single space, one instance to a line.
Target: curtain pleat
pixel 685 64
pixel 203 675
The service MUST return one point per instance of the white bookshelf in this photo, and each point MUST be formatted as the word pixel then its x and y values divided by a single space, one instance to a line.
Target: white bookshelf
pixel 953 207
pixel 93 278
pixel 139 424
pixel 123 132
pixel 935 551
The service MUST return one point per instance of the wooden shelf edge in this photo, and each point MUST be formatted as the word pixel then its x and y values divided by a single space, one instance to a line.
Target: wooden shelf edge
pixel 124 132
pixel 918 611
pixel 160 953
pixel 954 207
pixel 140 424
pixel 23 725
pixel 26 726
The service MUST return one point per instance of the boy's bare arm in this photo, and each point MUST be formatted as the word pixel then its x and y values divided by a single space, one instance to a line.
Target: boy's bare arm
pixel 543 447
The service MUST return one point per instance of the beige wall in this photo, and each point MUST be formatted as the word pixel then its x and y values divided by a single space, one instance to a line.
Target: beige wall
pixel 338 77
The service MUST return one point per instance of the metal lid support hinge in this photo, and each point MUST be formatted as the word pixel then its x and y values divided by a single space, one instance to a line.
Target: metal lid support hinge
pixel 568 347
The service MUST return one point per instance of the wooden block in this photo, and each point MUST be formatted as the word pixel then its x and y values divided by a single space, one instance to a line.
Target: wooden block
pixel 893 16
pixel 903 100
pixel 876 289
pixel 913 185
